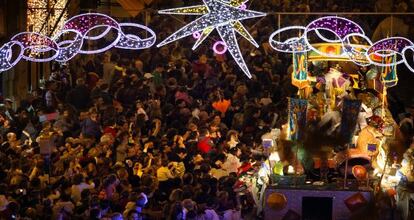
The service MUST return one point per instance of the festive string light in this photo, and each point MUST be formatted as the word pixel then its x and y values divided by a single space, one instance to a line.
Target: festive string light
pixel 344 30
pixel 223 16
pixel 70 40
pixel 43 15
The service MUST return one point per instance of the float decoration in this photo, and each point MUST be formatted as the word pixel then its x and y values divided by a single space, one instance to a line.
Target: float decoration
pixel 345 32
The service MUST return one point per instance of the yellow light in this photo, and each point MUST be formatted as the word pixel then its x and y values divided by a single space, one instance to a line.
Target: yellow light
pixel 37 16
pixel 237 3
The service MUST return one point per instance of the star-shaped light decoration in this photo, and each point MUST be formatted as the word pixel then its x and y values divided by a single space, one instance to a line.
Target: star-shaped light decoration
pixel 222 15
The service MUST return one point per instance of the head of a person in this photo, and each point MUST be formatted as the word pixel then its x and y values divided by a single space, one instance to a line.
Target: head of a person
pixel 11 136
pixel 204 132
pixel 78 179
pixel 139 65
pixel 80 82
pixel 133 215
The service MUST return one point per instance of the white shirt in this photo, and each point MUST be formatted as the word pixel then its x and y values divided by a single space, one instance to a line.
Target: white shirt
pixel 231 164
pixel 77 190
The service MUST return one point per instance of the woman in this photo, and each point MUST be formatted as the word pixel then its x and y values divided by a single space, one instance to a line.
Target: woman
pixel 164 176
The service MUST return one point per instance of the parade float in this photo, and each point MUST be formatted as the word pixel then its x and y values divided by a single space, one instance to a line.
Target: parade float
pixel 340 151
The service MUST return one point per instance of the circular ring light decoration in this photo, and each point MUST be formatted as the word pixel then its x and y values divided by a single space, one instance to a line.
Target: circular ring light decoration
pixel 88 23
pixel 68 48
pixel 340 27
pixel 196 35
pixel 132 41
pixel 409 66
pixel 69 41
pixel 354 50
pixel 220 51
pixel 290 45
pixel 36 43
pixel 345 31
pixel 390 47
pixel 6 52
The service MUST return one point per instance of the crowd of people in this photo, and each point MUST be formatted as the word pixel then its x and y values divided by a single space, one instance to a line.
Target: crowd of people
pixel 155 134
pixel 138 135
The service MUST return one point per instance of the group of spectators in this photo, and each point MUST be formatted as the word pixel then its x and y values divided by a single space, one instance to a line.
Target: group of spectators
pixel 155 134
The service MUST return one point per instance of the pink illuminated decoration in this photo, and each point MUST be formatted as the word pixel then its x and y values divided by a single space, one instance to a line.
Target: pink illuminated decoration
pixel 345 31
pixel 216 47
pixel 196 35
pixel 69 41
pixel 243 6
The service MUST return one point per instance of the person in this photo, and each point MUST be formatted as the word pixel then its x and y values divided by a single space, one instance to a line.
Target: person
pixel 78 186
pixel 50 96
pixel 165 175
pixel 205 144
pixel 232 161
pixel 79 97
pixel 90 126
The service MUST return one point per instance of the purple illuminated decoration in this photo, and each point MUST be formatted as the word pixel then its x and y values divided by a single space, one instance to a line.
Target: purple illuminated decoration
pixel 196 35
pixel 69 41
pixel 340 26
pixel 216 47
pixel 390 47
pixel 395 44
pixel 345 30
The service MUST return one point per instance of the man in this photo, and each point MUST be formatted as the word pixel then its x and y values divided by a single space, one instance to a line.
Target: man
pixel 109 66
pixel 50 96
pixel 79 96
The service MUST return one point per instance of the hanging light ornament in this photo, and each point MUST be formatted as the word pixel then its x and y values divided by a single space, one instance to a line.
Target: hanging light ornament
pixel 70 40
pixel 345 31
pixel 223 16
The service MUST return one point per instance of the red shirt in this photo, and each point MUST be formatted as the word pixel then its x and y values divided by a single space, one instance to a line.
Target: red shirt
pixel 110 130
pixel 204 145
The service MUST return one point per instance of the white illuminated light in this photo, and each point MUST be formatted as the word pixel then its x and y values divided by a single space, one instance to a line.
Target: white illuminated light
pixel 68 48
pixel 290 45
pixel 409 66
pixel 134 42
pixel 6 55
pixel 224 16
pixel 344 30
pixel 62 49
pixel 351 49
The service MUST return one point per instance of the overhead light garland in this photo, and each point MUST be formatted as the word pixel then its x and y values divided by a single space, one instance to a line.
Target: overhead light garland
pixel 223 16
pixel 344 30
pixel 70 40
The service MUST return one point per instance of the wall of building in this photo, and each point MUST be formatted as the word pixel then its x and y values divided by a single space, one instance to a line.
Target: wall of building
pixel 14 81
